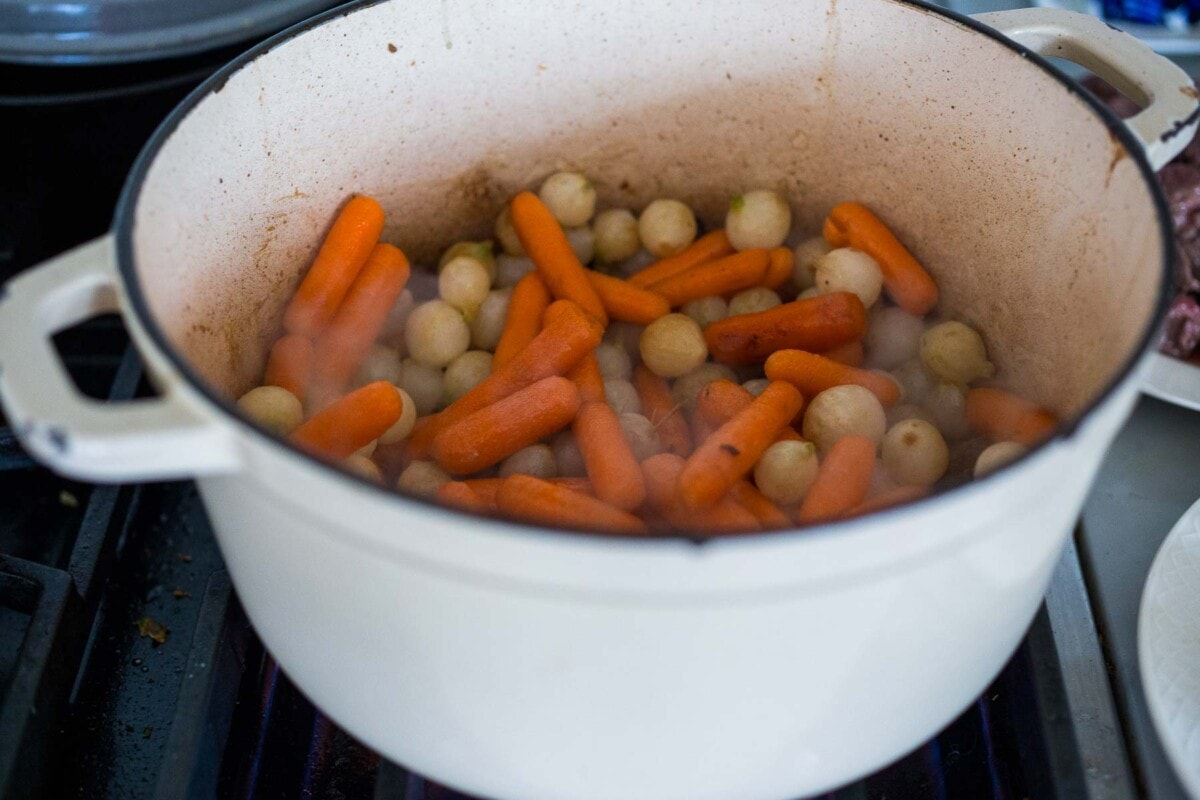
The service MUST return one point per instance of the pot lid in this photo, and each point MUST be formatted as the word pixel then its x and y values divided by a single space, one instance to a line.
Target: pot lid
pixel 119 31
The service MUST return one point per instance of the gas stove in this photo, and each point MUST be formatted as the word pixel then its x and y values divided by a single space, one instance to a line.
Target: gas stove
pixel 128 670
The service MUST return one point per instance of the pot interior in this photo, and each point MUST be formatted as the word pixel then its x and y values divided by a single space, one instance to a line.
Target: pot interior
pixel 1038 227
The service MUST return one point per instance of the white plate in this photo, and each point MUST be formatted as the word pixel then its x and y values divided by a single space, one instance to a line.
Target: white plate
pixel 1169 647
pixel 1172 380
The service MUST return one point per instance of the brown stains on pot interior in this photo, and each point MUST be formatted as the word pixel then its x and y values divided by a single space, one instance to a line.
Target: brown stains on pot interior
pixel 1119 153
pixel 391 47
pixel 1189 91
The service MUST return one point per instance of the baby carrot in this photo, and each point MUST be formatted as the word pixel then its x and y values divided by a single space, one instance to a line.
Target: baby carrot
pixel 851 354
pixel 544 241
pixel 816 324
pixel 766 512
pixel 493 433
pixel 290 364
pixel 718 402
pixel 352 422
pixel 586 375
pixel 535 500
pixel 465 498
pixel 780 261
pixel 723 276
pixel 1004 417
pixel 729 453
pixel 611 465
pixel 528 303
pixel 626 302
pixel 661 473
pixel 905 279
pixel 661 409
pixel 813 374
pixel 708 247
pixel 342 254
pixel 892 497
pixel 486 488
pixel 842 480
pixel 567 335
pixel 340 350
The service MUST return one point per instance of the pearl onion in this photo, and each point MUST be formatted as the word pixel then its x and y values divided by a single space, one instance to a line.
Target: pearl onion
pixel 844 411
pixel 567 455
pixel 666 227
pixel 756 386
pixel 436 333
pixel 641 435
pixel 479 251
pixel 848 270
pixel 570 197
pixel 996 456
pixel 893 337
pixel 903 411
pixel 751 301
pixel 506 235
pixel 363 467
pixel 465 373
pixel 786 471
pixel 424 384
pixel 422 478
pixel 488 324
pixel 948 405
pixel 954 352
pixel 914 381
pixel 510 270
pixel 382 363
pixel 760 218
pixel 809 293
pixel 403 426
pixel 807 253
pixel 273 407
pixel 583 243
pixel 464 284
pixel 616 232
pixel 622 396
pixel 673 345
pixel 536 460
pixel 914 453
pixel 613 361
pixel 706 310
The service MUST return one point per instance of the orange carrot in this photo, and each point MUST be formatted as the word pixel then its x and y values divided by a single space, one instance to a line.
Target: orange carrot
pixel 567 335
pixel 342 254
pixel 1004 417
pixel 723 276
pixel 708 247
pixel 493 433
pixel 626 302
pixel 781 260
pixel 544 241
pixel 892 497
pixel 718 402
pixel 842 480
pixel 905 280
pixel 729 453
pixel 813 374
pixel 586 375
pixel 352 422
pixel 661 473
pixel 816 324
pixel 526 305
pixel 611 465
pixel 661 409
pixel 766 512
pixel 342 347
pixel 535 500
pixel 487 487
pixel 463 497
pixel 851 354
pixel 290 364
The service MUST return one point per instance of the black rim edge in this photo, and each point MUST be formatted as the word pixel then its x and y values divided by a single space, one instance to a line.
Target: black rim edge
pixel 123 231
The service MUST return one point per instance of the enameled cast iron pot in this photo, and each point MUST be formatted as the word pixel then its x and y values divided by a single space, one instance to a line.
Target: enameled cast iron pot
pixel 519 662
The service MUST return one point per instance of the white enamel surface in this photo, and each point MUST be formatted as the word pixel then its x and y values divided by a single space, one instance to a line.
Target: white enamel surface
pixel 1173 380
pixel 169 436
pixel 514 662
pixel 1169 647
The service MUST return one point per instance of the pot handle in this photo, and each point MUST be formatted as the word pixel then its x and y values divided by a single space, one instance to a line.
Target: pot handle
pixel 152 438
pixel 1166 94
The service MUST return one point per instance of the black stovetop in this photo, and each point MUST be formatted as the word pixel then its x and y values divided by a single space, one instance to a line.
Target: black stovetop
pixel 127 669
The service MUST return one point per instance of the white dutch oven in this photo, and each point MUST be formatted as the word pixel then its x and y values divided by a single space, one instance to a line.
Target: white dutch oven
pixel 514 661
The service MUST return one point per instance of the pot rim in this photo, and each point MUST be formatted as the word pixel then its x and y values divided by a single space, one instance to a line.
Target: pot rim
pixel 123 222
